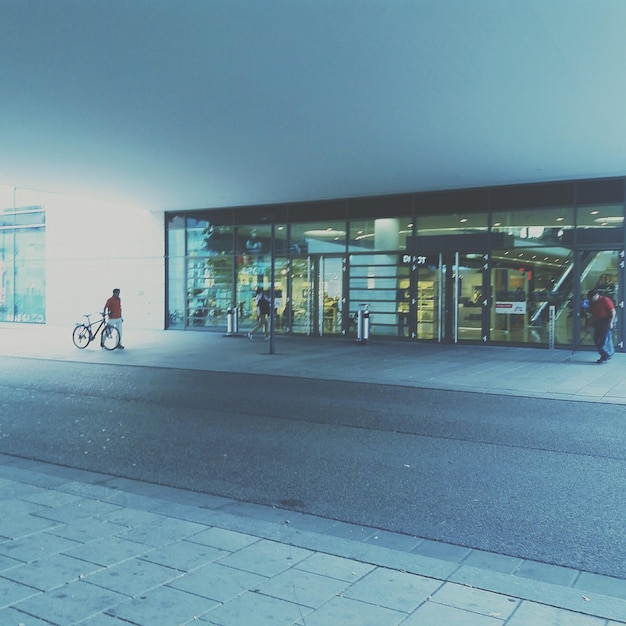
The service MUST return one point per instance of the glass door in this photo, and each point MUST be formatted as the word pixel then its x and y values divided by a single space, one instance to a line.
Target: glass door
pixel 330 295
pixel 600 270
pixel 451 296
pixel 470 296
pixel 299 317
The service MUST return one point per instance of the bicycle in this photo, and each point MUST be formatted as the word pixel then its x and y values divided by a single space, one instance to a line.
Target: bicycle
pixel 84 333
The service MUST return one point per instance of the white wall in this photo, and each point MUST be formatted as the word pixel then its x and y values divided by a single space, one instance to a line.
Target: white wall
pixel 92 247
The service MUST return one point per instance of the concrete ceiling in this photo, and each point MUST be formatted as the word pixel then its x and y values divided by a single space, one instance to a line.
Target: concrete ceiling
pixel 204 103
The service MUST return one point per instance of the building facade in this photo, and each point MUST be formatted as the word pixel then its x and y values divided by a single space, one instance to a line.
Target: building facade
pixel 500 265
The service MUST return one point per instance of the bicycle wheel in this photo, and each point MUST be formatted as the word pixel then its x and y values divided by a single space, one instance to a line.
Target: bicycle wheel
pixel 81 336
pixel 110 337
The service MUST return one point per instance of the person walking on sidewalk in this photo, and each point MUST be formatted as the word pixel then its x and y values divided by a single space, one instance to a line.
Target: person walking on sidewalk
pixel 113 308
pixel 262 311
pixel 603 311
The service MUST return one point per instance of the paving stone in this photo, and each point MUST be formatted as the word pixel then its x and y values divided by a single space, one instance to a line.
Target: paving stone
pixel 10 617
pixel 86 529
pixel 533 613
pixel 130 517
pixel 392 589
pixel 547 573
pixel 267 558
pixel 133 577
pixel 335 567
pixel 218 582
pixel 304 588
pixel 495 562
pixel 395 541
pixel 163 605
pixel 311 523
pixel 253 608
pixel 163 531
pixel 101 619
pixel 185 555
pixel 431 614
pixel 108 551
pixel 342 611
pixel 19 526
pixel 77 509
pixel 51 572
pixel 6 563
pixel 443 551
pixel 351 531
pixel 12 592
pixel 475 600
pixel 605 585
pixel 224 539
pixel 51 498
pixel 18 508
pixel 71 603
pixel 36 547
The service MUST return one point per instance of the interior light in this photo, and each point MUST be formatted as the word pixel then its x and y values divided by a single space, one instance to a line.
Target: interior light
pixel 560 219
pixel 463 220
pixel 615 219
pixel 595 212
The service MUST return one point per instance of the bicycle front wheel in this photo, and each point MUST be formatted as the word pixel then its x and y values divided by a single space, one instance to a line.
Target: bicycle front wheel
pixel 110 337
pixel 81 336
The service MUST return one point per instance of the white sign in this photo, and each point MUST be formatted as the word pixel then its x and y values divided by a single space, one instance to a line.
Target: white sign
pixel 511 308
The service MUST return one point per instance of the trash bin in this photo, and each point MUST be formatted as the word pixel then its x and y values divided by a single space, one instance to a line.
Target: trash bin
pixel 363 323
pixel 232 320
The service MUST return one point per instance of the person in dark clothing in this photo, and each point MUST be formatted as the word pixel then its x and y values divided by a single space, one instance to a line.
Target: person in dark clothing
pixel 603 311
pixel 262 310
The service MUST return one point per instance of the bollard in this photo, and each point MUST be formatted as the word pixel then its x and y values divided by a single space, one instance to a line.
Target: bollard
pixel 232 320
pixel 363 323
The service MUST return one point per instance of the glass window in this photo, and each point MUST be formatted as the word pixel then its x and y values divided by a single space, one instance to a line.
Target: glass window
pixel 453 224
pixel 525 284
pixel 388 233
pixel 318 238
pixel 534 227
pixel 604 216
pixel 22 266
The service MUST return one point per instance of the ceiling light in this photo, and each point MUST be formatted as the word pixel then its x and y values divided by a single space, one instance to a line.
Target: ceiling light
pixel 615 219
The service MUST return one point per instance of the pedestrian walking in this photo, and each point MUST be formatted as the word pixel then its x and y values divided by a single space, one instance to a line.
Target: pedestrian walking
pixel 262 311
pixel 603 311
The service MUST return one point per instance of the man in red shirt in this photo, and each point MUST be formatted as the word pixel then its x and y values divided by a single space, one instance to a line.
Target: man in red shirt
pixel 113 307
pixel 603 311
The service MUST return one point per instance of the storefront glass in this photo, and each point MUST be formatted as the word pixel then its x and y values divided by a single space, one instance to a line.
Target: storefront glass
pixel 388 233
pixel 22 266
pixel 327 237
pixel 456 223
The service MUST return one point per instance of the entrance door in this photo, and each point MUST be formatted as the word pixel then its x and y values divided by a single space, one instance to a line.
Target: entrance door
pixel 601 270
pixel 452 298
pixel 330 295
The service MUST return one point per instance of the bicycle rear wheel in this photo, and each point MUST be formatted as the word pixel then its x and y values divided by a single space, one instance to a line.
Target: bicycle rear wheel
pixel 110 337
pixel 81 336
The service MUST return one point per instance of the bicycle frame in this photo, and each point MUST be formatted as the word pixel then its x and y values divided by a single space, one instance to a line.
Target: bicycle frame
pixel 84 333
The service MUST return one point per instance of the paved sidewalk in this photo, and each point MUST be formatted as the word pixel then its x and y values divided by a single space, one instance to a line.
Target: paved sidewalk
pixel 84 548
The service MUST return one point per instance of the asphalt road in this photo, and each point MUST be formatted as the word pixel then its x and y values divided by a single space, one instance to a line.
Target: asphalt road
pixel 525 477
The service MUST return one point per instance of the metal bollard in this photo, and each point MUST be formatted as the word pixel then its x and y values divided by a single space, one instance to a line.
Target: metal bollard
pixel 363 323
pixel 232 320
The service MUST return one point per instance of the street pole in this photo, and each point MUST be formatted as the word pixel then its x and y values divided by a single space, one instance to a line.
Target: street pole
pixel 272 280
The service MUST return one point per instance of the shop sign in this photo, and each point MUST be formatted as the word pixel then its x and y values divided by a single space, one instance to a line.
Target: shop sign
pixel 511 308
